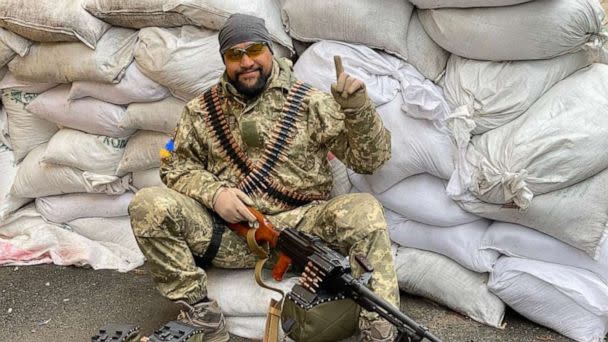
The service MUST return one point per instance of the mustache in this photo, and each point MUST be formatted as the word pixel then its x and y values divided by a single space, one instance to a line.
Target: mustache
pixel 243 71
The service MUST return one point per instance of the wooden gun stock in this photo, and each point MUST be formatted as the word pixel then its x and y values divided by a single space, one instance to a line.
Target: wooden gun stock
pixel 266 232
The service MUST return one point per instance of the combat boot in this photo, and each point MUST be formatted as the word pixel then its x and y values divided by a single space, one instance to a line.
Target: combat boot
pixel 208 317
pixel 378 330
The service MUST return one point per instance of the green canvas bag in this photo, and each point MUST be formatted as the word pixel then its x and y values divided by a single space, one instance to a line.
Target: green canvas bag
pixel 329 319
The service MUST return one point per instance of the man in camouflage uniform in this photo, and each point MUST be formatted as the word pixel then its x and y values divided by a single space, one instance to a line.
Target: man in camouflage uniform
pixel 240 145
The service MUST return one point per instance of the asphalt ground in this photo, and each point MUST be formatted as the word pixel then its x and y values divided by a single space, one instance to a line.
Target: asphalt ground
pixel 49 303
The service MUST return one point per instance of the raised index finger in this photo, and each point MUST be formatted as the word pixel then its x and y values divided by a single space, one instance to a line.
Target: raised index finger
pixel 339 67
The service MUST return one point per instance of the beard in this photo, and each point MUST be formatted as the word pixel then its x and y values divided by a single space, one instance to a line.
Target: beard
pixel 250 90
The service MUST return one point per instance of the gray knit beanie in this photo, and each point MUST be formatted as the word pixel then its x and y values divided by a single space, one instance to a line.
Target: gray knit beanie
pixel 240 28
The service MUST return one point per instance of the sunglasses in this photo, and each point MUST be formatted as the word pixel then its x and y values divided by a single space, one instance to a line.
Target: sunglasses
pixel 253 50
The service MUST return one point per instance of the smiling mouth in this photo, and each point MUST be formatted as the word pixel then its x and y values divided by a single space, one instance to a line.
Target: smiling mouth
pixel 249 74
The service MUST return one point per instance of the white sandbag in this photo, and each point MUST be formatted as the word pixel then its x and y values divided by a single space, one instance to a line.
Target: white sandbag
pixel 26 130
pixel 440 279
pixel 385 77
pixel 51 21
pixel 542 29
pixel 11 204
pixel 560 140
pixel 464 3
pixel 107 229
pixel 396 87
pixel 568 300
pixel 421 198
pixel 212 14
pixel 423 53
pixel 26 239
pixel 4 134
pixel 315 66
pixel 487 95
pixel 142 152
pixel 8 169
pixel 133 87
pixel 6 54
pixel 576 215
pixel 35 179
pixel 135 13
pixel 238 294
pixel 12 44
pixel 460 243
pixel 69 207
pixel 280 51
pixel 250 327
pixel 159 116
pixel 382 25
pixel 67 62
pixel 88 114
pixel 518 241
pixel 147 178
pixel 341 183
pixel 300 47
pixel 10 81
pixel 15 42
pixel 186 60
pixel 87 152
pixel 417 146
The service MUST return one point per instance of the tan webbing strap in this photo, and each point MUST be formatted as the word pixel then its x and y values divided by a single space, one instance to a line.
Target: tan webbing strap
pixel 254 247
pixel 258 277
pixel 273 317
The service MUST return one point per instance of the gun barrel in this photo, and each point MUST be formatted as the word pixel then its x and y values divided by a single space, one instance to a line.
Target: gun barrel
pixel 365 297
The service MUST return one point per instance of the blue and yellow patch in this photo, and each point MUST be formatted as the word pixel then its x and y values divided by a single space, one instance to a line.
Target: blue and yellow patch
pixel 165 152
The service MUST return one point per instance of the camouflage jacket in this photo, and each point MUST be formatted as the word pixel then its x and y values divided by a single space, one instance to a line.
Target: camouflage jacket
pixel 198 165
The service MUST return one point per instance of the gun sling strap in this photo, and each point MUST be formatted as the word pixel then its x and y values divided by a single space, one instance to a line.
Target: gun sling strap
pixel 219 225
pixel 273 317
pixel 257 178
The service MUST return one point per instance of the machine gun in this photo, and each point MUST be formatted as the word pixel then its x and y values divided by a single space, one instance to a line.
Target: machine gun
pixel 327 272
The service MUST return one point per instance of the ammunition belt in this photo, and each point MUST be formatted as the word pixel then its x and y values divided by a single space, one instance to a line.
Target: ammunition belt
pixel 257 178
pixel 220 132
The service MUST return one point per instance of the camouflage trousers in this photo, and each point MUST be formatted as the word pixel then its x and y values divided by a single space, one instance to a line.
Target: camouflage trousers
pixel 170 227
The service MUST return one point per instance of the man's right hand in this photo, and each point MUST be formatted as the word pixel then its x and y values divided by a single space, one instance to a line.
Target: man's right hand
pixel 349 92
pixel 231 204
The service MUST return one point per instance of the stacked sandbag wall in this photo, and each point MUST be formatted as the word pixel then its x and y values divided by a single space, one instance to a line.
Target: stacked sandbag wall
pixel 496 110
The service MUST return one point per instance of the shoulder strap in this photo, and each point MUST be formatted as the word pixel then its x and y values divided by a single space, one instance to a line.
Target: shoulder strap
pixel 273 320
pixel 273 317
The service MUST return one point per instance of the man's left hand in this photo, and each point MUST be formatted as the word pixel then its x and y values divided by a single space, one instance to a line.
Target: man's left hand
pixel 348 91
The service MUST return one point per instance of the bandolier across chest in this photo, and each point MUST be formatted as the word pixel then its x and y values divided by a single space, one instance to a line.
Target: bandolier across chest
pixel 258 178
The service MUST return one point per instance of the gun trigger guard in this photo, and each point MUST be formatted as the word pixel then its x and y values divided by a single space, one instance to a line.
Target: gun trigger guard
pixel 254 247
